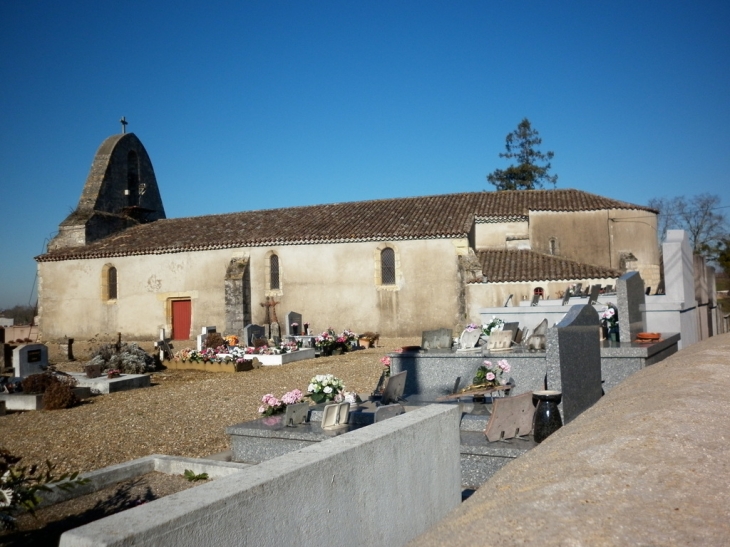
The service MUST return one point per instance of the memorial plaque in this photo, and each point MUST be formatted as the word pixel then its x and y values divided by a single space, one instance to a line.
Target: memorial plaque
pixel 387 411
pixel 511 417
pixel 335 415
pixel 296 414
pixel 469 338
pixel 92 371
pixel 394 387
pixel 437 339
pixel 500 341
pixel 595 291
pixel 294 326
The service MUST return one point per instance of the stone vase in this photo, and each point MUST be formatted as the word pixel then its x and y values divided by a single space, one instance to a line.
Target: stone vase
pixel 547 418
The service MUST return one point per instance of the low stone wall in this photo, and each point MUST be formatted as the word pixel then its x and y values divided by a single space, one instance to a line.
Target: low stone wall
pixel 380 485
pixel 646 465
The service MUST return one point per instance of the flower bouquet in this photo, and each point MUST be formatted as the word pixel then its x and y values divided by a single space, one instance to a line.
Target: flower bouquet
pixel 271 405
pixel 324 387
pixel 489 375
pixel 495 325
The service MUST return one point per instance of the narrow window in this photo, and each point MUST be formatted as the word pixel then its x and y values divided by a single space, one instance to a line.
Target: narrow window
pixel 132 178
pixel 273 272
pixel 387 266
pixel 111 283
pixel 553 246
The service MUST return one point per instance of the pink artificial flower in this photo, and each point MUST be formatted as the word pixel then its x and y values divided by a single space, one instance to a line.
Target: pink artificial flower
pixel 385 360
pixel 504 365
pixel 487 364
pixel 490 376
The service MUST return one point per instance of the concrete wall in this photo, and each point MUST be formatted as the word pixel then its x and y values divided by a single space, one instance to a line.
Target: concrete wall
pixel 335 285
pixel 380 485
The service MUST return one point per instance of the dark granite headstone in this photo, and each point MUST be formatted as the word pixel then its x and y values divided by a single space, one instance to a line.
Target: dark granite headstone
pixel 294 325
pixel 513 327
pixel 630 298
pixel 574 367
pixel 437 339
pixel 251 333
pixel 566 298
pixel 535 300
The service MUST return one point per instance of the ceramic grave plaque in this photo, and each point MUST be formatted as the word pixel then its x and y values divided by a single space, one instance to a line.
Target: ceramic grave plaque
pixel 500 341
pixel 394 387
pixel 436 339
pixel 296 414
pixel 387 411
pixel 469 338
pixel 511 417
pixel 253 332
pixel 335 415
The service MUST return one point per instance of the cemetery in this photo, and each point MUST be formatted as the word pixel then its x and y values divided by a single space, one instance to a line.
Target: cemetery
pixel 491 395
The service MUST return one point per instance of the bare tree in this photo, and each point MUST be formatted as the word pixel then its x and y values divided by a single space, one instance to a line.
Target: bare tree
pixel 699 216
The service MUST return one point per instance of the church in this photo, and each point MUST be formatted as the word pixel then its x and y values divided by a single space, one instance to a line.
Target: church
pixel 394 266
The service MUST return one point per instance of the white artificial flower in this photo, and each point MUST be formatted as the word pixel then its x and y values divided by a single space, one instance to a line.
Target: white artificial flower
pixel 6 497
pixel 310 387
pixel 328 389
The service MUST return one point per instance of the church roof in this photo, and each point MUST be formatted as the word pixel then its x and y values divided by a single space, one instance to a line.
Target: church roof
pixel 512 265
pixel 427 217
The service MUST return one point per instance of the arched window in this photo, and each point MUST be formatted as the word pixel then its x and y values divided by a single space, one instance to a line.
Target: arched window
pixel 109 282
pixel 274 272
pixel 387 266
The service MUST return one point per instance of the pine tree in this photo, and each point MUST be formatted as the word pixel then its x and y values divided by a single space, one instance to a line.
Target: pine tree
pixel 528 174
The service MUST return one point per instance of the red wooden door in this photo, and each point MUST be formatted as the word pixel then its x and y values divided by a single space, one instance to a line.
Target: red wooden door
pixel 181 313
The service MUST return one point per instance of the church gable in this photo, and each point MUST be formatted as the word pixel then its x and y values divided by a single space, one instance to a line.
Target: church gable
pixel 121 191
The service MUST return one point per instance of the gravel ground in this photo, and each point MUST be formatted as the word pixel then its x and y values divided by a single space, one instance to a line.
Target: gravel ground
pixel 184 413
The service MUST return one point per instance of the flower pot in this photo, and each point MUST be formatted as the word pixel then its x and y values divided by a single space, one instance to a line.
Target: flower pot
pixel 337 351
pixel 613 334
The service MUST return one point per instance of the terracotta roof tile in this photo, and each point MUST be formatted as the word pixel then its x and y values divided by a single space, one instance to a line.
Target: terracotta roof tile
pixel 510 266
pixel 449 215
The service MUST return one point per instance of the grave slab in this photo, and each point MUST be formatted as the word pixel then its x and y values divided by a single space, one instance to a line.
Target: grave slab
pixel 104 385
pixel 285 358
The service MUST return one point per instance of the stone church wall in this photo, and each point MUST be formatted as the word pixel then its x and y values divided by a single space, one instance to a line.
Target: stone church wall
pixel 331 285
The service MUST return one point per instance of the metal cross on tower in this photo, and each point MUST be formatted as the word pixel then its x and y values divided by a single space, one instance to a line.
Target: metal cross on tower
pixel 124 123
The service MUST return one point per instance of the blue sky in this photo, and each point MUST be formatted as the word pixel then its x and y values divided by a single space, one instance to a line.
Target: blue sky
pixel 249 105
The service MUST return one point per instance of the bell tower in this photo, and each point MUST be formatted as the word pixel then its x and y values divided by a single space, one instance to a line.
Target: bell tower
pixel 121 191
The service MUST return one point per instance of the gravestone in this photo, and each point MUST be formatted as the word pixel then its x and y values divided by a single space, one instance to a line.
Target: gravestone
pixel 535 300
pixel 630 298
pixel 436 339
pixel 294 324
pixel 574 362
pixel 253 332
pixel 578 289
pixel 566 298
pixel 609 289
pixel 202 337
pixel 30 359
